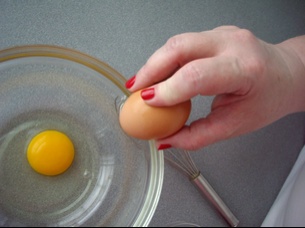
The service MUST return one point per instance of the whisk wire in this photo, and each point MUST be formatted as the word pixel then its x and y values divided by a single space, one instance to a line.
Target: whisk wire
pixel 191 162
pixel 182 160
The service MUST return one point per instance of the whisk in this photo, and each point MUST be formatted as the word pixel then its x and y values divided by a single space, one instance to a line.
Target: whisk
pixel 182 160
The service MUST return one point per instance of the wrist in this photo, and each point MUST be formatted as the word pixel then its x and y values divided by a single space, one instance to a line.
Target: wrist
pixel 294 58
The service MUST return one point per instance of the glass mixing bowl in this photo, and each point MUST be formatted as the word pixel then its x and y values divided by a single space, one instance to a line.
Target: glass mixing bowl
pixel 114 180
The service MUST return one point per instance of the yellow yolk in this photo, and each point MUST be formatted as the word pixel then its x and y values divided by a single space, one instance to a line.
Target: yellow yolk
pixel 50 153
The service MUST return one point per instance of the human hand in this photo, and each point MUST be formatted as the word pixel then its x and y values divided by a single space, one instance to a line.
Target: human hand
pixel 254 83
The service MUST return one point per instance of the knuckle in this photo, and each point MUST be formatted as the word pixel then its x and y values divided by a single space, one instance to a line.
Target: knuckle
pixel 244 35
pixel 226 27
pixel 254 66
pixel 191 75
pixel 174 43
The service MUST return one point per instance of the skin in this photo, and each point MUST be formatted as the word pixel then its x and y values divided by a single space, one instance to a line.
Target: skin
pixel 255 83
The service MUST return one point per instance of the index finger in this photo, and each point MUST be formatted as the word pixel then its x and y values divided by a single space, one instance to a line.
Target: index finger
pixel 177 51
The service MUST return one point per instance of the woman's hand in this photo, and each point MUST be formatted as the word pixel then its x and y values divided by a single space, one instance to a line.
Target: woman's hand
pixel 254 83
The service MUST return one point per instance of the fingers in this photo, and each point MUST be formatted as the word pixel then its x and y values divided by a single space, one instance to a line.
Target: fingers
pixel 178 51
pixel 211 76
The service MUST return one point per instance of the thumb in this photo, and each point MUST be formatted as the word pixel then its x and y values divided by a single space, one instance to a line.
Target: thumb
pixel 222 123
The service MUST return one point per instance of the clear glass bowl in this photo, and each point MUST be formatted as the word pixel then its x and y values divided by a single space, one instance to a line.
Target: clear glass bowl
pixel 114 180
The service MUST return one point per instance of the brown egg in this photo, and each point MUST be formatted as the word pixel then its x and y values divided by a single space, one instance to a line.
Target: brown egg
pixel 147 122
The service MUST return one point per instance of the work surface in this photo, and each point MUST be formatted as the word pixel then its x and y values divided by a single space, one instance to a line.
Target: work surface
pixel 248 171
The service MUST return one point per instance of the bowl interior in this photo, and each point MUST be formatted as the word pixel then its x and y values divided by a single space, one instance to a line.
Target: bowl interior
pixel 114 180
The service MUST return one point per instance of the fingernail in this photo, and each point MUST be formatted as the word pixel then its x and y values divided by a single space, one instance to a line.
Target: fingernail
pixel 130 82
pixel 164 146
pixel 148 94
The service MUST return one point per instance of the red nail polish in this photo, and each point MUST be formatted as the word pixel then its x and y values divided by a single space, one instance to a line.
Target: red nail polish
pixel 164 146
pixel 148 94
pixel 130 82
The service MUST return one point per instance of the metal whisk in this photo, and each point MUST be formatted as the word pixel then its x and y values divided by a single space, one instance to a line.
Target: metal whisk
pixel 182 160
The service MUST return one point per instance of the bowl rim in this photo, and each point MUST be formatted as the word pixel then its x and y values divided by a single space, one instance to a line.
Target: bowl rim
pixel 157 159
pixel 64 53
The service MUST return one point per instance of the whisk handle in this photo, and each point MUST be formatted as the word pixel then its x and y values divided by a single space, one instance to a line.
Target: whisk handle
pixel 206 189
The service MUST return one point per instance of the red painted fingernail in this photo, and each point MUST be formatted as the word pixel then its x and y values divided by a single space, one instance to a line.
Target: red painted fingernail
pixel 148 94
pixel 164 146
pixel 130 82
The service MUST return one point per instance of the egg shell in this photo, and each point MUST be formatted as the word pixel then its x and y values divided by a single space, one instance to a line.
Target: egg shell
pixel 143 121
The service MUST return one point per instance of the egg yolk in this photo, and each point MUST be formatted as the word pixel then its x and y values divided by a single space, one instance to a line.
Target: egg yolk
pixel 50 153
